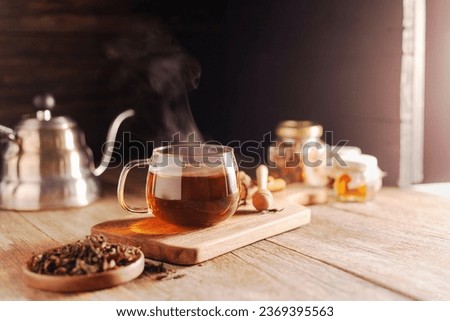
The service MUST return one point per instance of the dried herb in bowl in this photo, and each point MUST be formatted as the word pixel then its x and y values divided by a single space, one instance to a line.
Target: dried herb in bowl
pixel 91 255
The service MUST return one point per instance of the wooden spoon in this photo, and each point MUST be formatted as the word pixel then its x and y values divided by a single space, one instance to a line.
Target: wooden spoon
pixel 88 282
pixel 262 199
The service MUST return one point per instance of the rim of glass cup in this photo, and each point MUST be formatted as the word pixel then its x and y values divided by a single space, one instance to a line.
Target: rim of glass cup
pixel 194 155
pixel 220 149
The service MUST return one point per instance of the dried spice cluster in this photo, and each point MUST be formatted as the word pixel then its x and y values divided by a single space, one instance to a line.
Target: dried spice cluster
pixel 91 255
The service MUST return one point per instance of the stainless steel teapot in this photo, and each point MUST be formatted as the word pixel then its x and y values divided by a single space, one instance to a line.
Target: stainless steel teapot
pixel 47 164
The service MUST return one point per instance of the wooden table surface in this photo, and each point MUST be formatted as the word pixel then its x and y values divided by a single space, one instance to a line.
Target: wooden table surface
pixel 396 247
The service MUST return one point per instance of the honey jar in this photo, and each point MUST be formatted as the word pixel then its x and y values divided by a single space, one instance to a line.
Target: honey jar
pixel 299 154
pixel 357 178
pixel 336 152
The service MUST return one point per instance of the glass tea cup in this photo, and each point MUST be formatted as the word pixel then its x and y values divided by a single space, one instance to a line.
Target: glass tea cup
pixel 188 185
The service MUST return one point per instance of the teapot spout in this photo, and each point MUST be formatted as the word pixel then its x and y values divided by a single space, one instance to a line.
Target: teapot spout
pixel 111 137
pixel 8 133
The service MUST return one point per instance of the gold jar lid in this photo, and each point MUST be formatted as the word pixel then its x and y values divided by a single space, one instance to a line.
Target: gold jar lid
pixel 299 129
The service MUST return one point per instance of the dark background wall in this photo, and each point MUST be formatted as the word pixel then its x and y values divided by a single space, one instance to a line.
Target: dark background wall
pixel 60 46
pixel 335 62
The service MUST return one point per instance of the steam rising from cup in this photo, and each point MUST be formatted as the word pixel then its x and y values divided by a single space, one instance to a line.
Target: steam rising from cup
pixel 156 72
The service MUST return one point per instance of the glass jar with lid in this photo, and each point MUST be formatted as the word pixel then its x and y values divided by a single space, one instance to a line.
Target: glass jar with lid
pixel 357 179
pixel 334 154
pixel 299 154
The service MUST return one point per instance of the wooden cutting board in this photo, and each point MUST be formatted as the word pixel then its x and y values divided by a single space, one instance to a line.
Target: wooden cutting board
pixel 168 243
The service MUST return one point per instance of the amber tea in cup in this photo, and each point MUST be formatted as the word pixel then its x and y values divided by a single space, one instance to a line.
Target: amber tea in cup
pixel 188 185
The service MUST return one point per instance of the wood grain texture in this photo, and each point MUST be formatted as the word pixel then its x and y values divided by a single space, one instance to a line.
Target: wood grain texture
pixel 309 278
pixel 393 248
pixel 394 242
pixel 172 244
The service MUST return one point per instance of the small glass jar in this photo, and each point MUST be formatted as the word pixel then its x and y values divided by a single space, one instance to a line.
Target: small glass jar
pixel 334 154
pixel 358 179
pixel 299 154
pixel 285 161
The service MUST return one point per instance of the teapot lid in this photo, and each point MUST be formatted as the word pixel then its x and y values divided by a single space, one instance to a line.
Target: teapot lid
pixel 44 104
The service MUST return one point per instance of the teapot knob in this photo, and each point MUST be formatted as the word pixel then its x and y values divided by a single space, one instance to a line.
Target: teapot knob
pixel 44 104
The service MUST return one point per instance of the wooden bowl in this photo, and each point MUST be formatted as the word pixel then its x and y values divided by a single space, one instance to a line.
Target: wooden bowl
pixel 88 282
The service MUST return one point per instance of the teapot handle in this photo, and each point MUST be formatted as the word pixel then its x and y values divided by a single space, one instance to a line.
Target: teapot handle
pixel 8 132
pixel 111 137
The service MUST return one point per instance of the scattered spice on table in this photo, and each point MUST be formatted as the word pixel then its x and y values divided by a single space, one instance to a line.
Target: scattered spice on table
pixel 159 271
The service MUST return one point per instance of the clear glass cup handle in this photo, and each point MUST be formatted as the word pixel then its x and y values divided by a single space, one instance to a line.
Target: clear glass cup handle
pixel 121 187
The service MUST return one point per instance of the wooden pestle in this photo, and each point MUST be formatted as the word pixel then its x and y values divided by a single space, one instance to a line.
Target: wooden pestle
pixel 262 199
